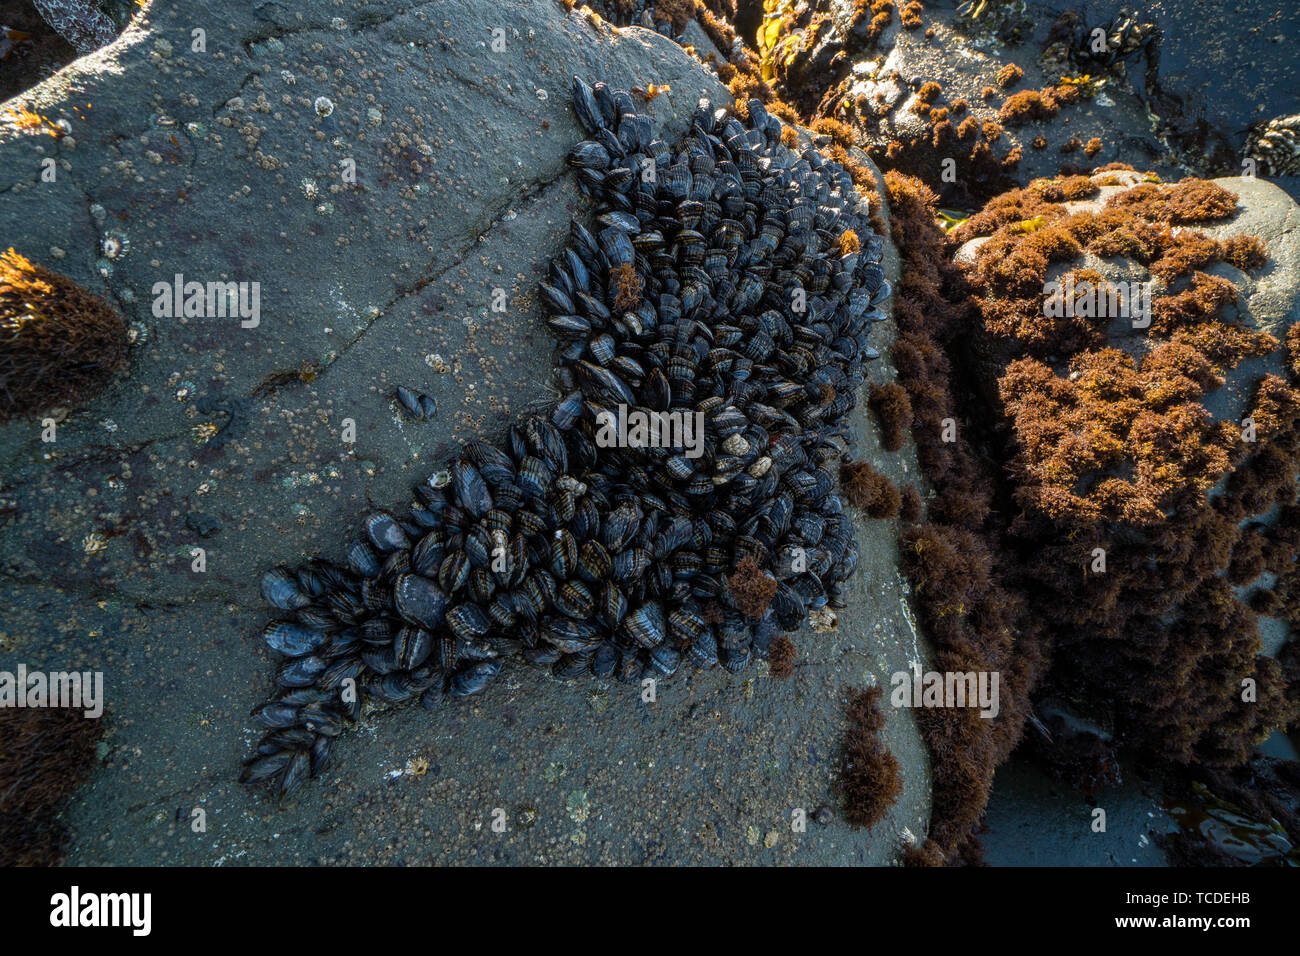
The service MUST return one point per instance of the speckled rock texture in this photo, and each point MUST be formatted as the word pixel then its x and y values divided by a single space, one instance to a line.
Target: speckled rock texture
pixel 81 22
pixel 234 163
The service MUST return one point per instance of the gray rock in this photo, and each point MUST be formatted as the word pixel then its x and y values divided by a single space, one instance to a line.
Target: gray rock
pixel 1270 296
pixel 205 526
pixel 225 165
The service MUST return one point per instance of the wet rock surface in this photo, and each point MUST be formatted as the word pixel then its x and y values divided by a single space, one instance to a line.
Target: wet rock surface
pixel 1177 91
pixel 1225 66
pixel 235 164
pixel 1033 820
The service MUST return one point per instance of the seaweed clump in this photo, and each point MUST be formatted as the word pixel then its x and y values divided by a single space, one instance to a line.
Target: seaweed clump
pixel 1010 75
pixel 871 18
pixel 1116 532
pixel 627 287
pixel 45 754
pixel 870 490
pixel 870 781
pixel 59 344
pixel 781 656
pixel 1030 230
pixel 894 412
pixel 752 588
pixel 912 507
pixel 984 162
pixel 1029 105
pixel 972 617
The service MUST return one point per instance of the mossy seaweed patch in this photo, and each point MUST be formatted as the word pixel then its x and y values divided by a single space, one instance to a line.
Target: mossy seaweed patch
pixel 870 780
pixel 971 618
pixel 870 490
pixel 1118 533
pixel 59 344
pixel 893 411
pixel 46 753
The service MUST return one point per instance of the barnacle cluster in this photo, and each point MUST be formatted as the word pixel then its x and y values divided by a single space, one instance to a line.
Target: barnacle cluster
pixel 1121 37
pixel 715 293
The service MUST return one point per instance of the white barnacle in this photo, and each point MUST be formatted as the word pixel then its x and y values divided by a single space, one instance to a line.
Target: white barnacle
pixel 114 245
pixel 571 484
pixel 736 445
pixel 324 106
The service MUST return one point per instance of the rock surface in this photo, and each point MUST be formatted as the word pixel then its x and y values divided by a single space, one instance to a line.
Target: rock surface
pixel 965 57
pixel 234 164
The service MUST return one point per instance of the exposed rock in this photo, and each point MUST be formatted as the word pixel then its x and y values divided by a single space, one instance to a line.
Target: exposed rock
pixel 1224 65
pixel 81 22
pixel 874 84
pixel 236 164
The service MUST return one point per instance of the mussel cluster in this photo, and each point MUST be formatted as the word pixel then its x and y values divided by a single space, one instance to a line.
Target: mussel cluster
pixel 639 13
pixel 1275 146
pixel 1126 33
pixel 732 280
